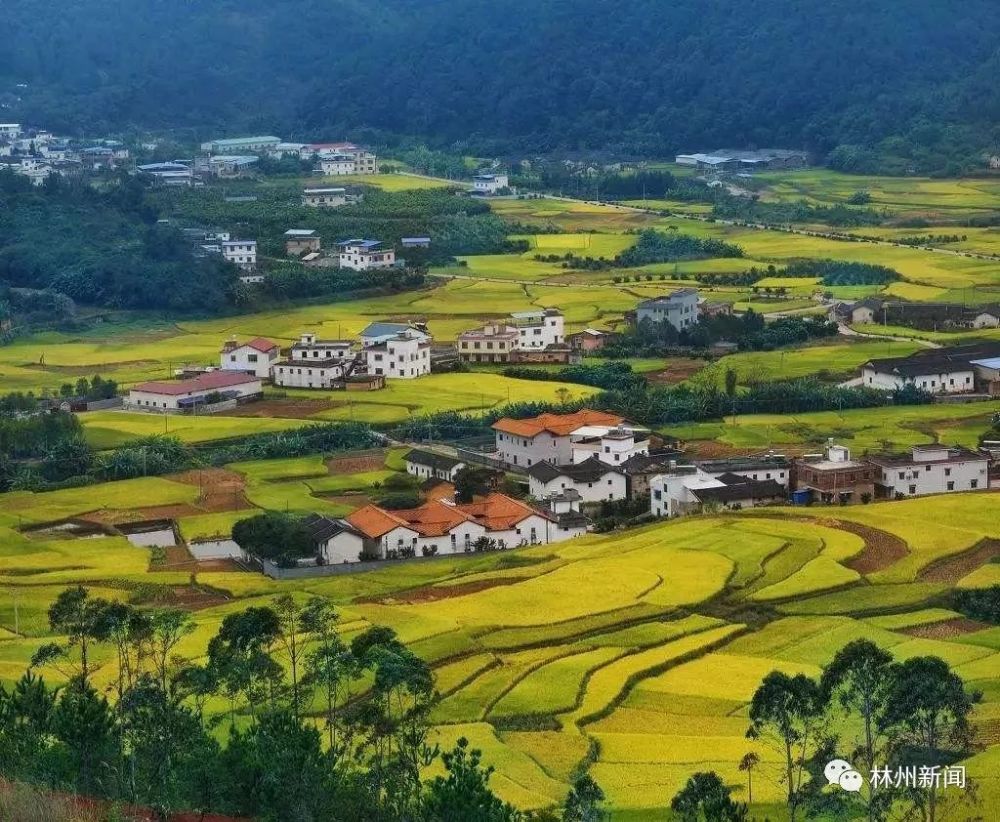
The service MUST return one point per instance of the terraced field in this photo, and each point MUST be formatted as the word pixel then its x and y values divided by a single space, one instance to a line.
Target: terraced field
pixel 631 655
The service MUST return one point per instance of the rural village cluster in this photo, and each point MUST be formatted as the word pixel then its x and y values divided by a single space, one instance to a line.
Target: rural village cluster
pixel 569 463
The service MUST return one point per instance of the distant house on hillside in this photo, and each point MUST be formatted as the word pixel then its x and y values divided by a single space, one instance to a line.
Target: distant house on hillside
pixel 237 144
pixel 186 395
pixel 429 465
pixel 324 197
pixel 678 308
pixel 489 184
pixel 300 241
pixel 365 255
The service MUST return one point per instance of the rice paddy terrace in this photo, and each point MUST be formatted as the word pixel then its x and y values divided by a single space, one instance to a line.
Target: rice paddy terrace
pixel 632 655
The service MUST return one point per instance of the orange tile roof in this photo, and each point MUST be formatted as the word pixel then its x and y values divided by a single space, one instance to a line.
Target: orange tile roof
pixel 498 512
pixel 434 518
pixel 261 344
pixel 559 424
pixel 373 521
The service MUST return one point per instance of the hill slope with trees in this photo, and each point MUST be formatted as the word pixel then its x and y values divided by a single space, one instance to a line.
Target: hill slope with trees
pixel 910 84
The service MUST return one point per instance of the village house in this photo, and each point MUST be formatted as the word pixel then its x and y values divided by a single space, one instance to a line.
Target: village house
pixel 641 468
pixel 365 255
pixel 489 184
pixel 440 526
pixel 935 371
pixel 679 309
pixel 593 480
pixel 379 332
pixel 564 508
pixel 689 489
pixel 231 166
pixel 525 332
pixel 241 253
pixel 833 478
pixel 299 241
pixel 415 242
pixel 930 469
pixel 430 465
pixel 324 197
pixel 611 445
pixel 253 357
pixel 168 174
pixel 10 131
pixel 406 355
pixel 336 165
pixel 315 363
pixel 187 395
pixel 590 339
pixel 761 467
pixel 237 144
pixel 545 438
pixel 335 540
pixel 863 312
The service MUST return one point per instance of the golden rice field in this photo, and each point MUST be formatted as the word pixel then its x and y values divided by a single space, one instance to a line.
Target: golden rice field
pixel 631 655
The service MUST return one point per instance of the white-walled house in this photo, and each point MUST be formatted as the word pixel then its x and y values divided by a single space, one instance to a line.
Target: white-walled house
pixel 255 356
pixel 407 355
pixel 611 445
pixel 180 395
pixel 336 540
pixel 688 489
pixel 315 363
pixel 545 438
pixel 365 255
pixel 539 329
pixel 489 184
pixel 430 465
pixel 936 375
pixel 679 309
pixel 593 480
pixel 324 197
pixel 762 467
pixel 242 253
pixel 930 469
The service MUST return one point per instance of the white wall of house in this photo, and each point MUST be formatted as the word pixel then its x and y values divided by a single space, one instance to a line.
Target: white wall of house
pixel 959 381
pixel 532 529
pixel 782 476
pixel 404 359
pixel 359 259
pixel 249 360
pixel 455 541
pixel 342 547
pixel 549 330
pixel 169 402
pixel 305 375
pixel 240 252
pixel 609 486
pixel 426 472
pixel 526 451
pixel 932 477
pixel 610 450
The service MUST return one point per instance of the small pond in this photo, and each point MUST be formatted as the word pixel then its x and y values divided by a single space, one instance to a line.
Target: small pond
pixel 215 549
pixel 150 534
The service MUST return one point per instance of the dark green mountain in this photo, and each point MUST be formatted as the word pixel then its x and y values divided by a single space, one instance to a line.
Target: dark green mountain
pixel 641 76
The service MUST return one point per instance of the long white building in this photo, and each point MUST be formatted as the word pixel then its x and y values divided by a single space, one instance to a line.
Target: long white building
pixel 930 469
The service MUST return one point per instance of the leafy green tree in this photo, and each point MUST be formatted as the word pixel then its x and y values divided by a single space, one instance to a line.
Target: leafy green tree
pixel 926 715
pixel 583 802
pixel 706 798
pixel 273 535
pixel 239 656
pixel 81 618
pixel 84 724
pixel 472 482
pixel 329 665
pixel 463 793
pixel 789 710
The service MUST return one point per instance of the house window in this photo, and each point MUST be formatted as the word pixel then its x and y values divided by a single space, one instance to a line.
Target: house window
pixel 913 490
pixel 974 484
pixel 951 486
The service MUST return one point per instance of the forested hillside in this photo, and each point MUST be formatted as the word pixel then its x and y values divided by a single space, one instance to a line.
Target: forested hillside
pixel 646 77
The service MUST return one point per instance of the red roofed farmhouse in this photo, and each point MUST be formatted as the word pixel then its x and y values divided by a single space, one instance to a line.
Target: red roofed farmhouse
pixel 545 438
pixel 184 395
pixel 254 357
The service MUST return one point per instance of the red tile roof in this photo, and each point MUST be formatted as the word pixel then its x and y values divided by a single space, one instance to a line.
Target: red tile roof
pixel 374 522
pixel 261 344
pixel 498 512
pixel 560 425
pixel 212 381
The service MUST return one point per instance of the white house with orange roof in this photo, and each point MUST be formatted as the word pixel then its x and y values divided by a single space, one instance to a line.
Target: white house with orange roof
pixel 547 437
pixel 441 526
pixel 255 356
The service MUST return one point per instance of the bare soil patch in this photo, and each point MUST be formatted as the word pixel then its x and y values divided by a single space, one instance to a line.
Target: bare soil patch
pixel 294 408
pixel 675 370
pixel 123 516
pixel 433 593
pixel 946 629
pixel 881 550
pixel 356 464
pixel 951 569
pixel 221 490
pixel 175 558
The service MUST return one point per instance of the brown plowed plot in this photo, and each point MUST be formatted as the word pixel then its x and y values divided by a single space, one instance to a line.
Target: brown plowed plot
pixel 675 370
pixel 175 558
pixel 291 408
pixel 946 628
pixel 881 550
pixel 221 490
pixel 357 464
pixel 118 516
pixel 952 569
pixel 432 593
